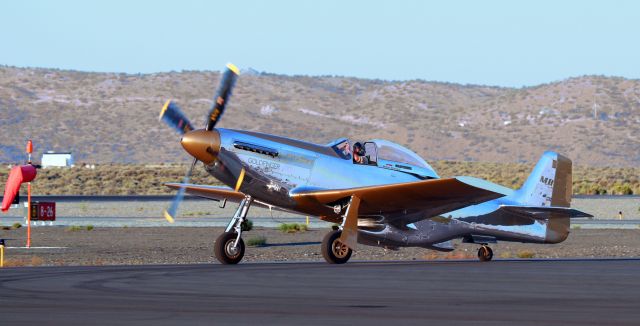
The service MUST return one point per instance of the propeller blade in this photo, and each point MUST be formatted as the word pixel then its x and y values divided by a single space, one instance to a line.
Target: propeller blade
pixel 170 214
pixel 173 116
pixel 227 82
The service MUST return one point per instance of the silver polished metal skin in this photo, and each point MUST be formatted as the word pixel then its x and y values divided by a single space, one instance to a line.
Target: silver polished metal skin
pixel 271 177
pixel 383 194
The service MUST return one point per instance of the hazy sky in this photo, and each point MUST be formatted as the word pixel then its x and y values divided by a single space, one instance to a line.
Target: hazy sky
pixel 508 43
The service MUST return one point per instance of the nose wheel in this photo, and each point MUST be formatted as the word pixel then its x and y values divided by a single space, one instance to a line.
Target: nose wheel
pixel 485 253
pixel 333 250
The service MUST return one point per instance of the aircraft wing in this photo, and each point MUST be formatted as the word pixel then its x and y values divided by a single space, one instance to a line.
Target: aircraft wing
pixel 219 194
pixel 426 198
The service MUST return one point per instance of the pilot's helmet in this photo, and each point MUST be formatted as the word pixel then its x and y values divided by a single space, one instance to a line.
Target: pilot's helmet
pixel 358 149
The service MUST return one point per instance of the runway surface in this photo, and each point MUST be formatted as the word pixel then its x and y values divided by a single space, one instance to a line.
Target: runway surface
pixel 559 292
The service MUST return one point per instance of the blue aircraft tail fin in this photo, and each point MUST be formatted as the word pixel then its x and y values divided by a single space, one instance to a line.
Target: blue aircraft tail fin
pixel 549 184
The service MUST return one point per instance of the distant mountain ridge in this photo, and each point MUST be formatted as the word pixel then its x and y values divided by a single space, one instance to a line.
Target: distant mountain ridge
pixel 111 117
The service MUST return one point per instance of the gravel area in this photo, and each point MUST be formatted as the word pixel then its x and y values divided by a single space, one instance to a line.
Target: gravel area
pixel 179 245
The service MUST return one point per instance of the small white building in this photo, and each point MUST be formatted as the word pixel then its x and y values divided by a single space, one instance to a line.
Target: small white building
pixel 57 159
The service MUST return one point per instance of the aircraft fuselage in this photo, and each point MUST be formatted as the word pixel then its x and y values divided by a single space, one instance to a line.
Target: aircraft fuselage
pixel 274 166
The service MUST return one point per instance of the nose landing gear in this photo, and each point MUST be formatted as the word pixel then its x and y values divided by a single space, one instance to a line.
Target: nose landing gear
pixel 485 253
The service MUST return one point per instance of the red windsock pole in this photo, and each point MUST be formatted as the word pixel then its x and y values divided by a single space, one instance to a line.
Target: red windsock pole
pixel 29 150
pixel 17 176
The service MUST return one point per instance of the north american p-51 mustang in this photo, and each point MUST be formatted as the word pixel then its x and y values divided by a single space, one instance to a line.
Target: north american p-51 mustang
pixel 380 193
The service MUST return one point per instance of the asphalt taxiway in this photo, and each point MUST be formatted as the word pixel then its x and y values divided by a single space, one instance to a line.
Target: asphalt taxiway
pixel 560 292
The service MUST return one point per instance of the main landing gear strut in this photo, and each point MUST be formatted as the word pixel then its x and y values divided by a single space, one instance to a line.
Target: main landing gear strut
pixel 485 253
pixel 229 247
pixel 338 245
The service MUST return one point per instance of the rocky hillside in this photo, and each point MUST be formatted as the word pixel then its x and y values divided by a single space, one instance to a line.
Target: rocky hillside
pixel 107 117
pixel 148 179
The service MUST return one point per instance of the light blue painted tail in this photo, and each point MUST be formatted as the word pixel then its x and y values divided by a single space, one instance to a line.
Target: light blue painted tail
pixel 549 184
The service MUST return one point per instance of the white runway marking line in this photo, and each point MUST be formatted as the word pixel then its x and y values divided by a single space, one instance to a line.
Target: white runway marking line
pixel 37 247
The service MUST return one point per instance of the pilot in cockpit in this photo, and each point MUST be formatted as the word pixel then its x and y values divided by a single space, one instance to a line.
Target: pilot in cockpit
pixel 359 155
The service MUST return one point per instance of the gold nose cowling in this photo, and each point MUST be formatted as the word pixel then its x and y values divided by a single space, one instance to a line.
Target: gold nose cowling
pixel 202 144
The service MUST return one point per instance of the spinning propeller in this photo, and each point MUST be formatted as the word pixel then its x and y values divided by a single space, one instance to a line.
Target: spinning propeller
pixel 202 144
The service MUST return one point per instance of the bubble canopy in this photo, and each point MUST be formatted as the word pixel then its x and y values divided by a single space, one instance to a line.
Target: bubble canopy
pixel 387 153
pixel 393 152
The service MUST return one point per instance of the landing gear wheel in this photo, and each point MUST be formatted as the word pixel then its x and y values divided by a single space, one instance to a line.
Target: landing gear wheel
pixel 485 253
pixel 225 251
pixel 334 251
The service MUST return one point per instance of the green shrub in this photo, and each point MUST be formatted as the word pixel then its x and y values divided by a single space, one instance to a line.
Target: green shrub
pixel 89 227
pixel 284 227
pixel 247 225
pixel 16 225
pixel 258 241
pixel 73 228
pixel 292 227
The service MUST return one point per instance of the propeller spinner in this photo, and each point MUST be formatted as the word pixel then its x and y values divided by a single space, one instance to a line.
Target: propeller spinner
pixel 203 145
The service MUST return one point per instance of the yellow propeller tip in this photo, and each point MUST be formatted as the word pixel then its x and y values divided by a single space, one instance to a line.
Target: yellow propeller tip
pixel 164 109
pixel 168 217
pixel 233 68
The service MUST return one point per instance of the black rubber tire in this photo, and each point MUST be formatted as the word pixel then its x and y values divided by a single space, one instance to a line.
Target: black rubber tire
pixel 328 252
pixel 221 249
pixel 485 253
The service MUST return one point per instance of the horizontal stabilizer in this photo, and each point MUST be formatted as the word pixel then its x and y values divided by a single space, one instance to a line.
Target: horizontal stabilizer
pixel 545 213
